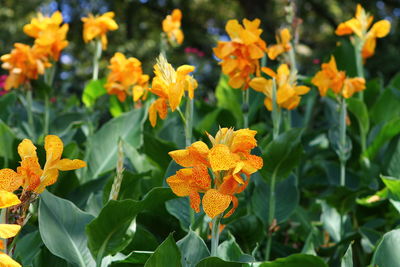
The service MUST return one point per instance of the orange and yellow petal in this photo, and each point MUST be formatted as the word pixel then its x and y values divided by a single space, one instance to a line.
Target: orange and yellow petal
pixel 8 199
pixel 7 261
pixel 9 180
pixel 221 158
pixel 194 198
pixel 178 185
pixel 9 230
pixel 26 149
pixel 69 164
pixel 215 203
pixel 54 148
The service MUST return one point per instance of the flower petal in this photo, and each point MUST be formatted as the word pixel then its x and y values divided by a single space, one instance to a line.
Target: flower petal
pixel 7 261
pixel 215 203
pixel 9 230
pixel 69 164
pixel 221 158
pixel 9 180
pixel 8 199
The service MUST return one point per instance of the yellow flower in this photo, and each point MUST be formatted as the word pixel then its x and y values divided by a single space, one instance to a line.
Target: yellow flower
pixel 49 34
pixel 126 78
pixel 30 175
pixel 229 159
pixel 240 56
pixel 172 26
pixel 283 44
pixel 8 199
pixel 169 85
pixel 24 63
pixel 287 91
pixel 331 77
pixel 98 26
pixel 359 25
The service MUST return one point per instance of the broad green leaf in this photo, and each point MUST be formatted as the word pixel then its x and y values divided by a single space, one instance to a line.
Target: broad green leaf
pixel 27 247
pixel 347 260
pixel 388 130
pixel 6 101
pixel 229 250
pixel 167 254
pixel 395 81
pixel 157 150
pixel 193 249
pixel 282 155
pixel 393 185
pixel 287 199
pixel 45 258
pixel 370 237
pixel 394 162
pixel 296 260
pixel 180 209
pixel 7 139
pixel 217 262
pixel 101 152
pixel 114 228
pixel 386 108
pixel 134 259
pixel 331 221
pixel 93 90
pixel 62 228
pixel 116 108
pixel 360 111
pixel 387 252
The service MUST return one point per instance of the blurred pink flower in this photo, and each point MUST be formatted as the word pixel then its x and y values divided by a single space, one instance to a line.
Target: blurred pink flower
pixel 2 82
pixel 195 51
pixel 316 61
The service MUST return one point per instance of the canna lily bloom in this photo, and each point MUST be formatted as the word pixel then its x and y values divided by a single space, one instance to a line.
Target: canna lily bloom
pixel 126 78
pixel 8 199
pixel 50 36
pixel 169 85
pixel 98 26
pixel 287 91
pixel 229 160
pixel 24 63
pixel 330 77
pixel 30 175
pixel 283 44
pixel 172 27
pixel 240 56
pixel 359 25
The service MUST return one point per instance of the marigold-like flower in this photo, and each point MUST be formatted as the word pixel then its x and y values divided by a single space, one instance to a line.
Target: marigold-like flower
pixel 169 85
pixel 98 26
pixel 126 78
pixel 231 162
pixel 24 63
pixel 30 175
pixel 331 77
pixel 359 25
pixel 8 199
pixel 283 44
pixel 287 91
pixel 172 27
pixel 240 56
pixel 50 36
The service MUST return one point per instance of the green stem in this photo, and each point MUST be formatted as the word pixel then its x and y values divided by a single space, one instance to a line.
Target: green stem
pixel 293 65
pixel 96 58
pixel 271 214
pixel 288 120
pixel 245 107
pixel 276 112
pixel 342 140
pixel 181 115
pixel 358 45
pixel 29 106
pixel 215 235
pixel 3 220
pixel 46 114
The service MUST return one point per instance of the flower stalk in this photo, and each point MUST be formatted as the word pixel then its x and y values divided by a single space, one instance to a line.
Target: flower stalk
pixel 29 106
pixel 358 45
pixel 96 59
pixel 245 107
pixel 215 235
pixel 276 112
pixel 116 186
pixel 342 140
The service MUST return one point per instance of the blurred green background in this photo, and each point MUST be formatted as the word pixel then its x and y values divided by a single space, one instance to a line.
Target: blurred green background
pixel 203 25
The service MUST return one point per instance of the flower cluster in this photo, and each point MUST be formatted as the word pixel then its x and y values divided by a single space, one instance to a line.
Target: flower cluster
pixel 359 25
pixel 287 91
pixel 231 163
pixel 98 26
pixel 8 199
pixel 126 78
pixel 330 77
pixel 30 175
pixel 169 85
pixel 172 27
pixel 240 56
pixel 283 44
pixel 50 36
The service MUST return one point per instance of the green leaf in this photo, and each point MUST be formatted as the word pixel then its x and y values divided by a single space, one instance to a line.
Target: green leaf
pixel 386 108
pixel 229 99
pixel 282 155
pixel 296 260
pixel 360 111
pixel 93 90
pixel 389 130
pixel 6 101
pixel 395 81
pixel 387 252
pixel 180 209
pixel 393 168
pixel 62 228
pixel 217 262
pixel 135 258
pixel 116 108
pixel 193 249
pixel 167 254
pixel 393 185
pixel 101 153
pixel 27 247
pixel 229 250
pixel 113 229
pixel 7 139
pixel 347 260
pixel 331 220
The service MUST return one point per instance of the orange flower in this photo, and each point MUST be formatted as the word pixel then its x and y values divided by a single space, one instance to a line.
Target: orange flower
pixel 230 161
pixel 169 85
pixel 50 36
pixel 8 199
pixel 287 91
pixel 283 44
pixel 98 26
pixel 30 175
pixel 172 27
pixel 240 56
pixel 24 63
pixel 126 78
pixel 331 77
pixel 359 25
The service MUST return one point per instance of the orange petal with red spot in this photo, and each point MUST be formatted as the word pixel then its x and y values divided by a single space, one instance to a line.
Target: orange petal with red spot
pixel 215 203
